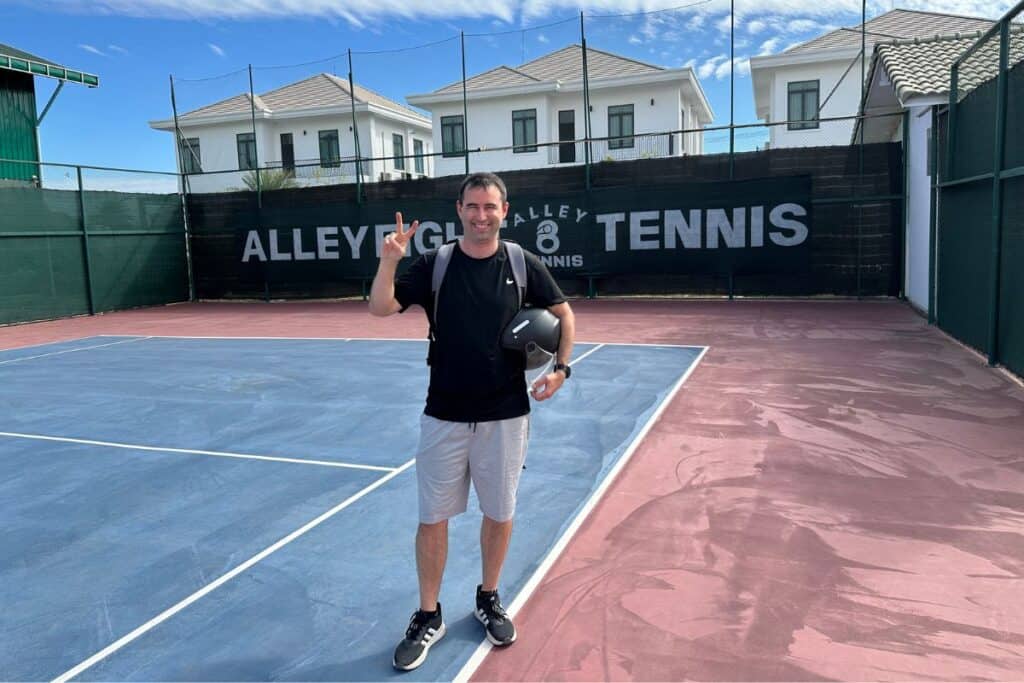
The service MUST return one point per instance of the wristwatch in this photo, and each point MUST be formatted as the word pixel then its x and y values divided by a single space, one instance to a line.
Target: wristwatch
pixel 564 368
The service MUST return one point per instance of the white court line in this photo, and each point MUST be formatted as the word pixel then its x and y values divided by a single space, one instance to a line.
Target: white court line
pixel 63 341
pixel 485 646
pixel 81 348
pixel 189 451
pixel 187 336
pixel 395 339
pixel 209 588
pixel 577 360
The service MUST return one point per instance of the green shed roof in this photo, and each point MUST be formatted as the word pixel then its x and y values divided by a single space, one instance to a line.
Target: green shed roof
pixel 14 59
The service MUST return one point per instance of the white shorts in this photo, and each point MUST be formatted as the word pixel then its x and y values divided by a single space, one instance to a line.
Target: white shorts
pixel 491 454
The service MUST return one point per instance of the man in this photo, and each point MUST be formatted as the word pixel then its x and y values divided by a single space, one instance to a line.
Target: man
pixel 476 420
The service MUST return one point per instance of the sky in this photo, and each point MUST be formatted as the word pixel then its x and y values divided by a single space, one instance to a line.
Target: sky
pixel 400 47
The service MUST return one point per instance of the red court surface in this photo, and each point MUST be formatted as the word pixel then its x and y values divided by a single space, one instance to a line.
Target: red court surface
pixel 837 492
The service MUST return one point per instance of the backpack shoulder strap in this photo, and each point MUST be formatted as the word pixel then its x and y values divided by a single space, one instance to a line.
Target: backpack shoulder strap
pixel 517 259
pixel 441 261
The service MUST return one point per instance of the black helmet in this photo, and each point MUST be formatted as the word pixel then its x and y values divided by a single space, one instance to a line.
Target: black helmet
pixel 534 332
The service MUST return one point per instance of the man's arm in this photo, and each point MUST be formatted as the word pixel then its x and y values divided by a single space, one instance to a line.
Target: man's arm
pixel 567 323
pixel 382 292
pixel 545 386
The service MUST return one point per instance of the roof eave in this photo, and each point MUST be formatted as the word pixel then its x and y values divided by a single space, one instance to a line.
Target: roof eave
pixel 36 67
pixel 425 99
pixel 809 57
pixel 575 85
pixel 288 114
pixel 924 99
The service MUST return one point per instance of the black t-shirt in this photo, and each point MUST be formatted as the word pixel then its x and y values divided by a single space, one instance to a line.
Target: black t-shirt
pixel 472 379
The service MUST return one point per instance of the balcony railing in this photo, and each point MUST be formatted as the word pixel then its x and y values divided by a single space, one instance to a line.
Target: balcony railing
pixel 323 169
pixel 643 146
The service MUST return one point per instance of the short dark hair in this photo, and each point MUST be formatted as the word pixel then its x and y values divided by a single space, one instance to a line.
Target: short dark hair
pixel 485 180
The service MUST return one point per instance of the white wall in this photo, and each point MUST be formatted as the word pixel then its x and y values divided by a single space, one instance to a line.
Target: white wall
pixel 490 126
pixel 219 150
pixel 844 102
pixel 918 207
pixel 383 146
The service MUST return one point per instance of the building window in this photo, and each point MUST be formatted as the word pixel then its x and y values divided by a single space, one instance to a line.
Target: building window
pixel 524 130
pixel 246 151
pixel 398 150
pixel 417 149
pixel 287 153
pixel 453 136
pixel 330 150
pixel 803 105
pixel 620 126
pixel 191 161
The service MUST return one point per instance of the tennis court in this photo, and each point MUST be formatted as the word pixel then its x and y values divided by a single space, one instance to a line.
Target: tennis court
pixel 202 508
pixel 724 490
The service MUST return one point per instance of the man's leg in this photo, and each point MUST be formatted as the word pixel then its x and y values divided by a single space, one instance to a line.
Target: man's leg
pixel 442 476
pixel 496 462
pixel 431 554
pixel 494 539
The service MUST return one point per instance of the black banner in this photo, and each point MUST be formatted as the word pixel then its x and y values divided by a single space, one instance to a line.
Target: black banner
pixel 749 226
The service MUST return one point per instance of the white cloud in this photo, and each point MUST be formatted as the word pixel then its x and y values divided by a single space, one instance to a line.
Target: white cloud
pixel 633 40
pixel 769 46
pixel 806 25
pixel 690 63
pixel 359 12
pixel 216 49
pixel 543 39
pixel 741 67
pixel 707 69
pixel 756 26
pixel 118 49
pixel 90 48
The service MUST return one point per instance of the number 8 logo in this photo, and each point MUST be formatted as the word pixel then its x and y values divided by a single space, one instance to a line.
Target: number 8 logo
pixel 547 237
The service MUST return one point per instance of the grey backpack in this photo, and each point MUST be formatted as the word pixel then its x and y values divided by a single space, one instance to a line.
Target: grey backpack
pixel 444 256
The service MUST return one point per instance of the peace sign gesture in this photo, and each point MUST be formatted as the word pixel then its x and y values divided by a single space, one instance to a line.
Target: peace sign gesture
pixel 395 244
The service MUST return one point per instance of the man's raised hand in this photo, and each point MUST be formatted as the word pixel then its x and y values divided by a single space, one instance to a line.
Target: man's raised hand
pixel 396 242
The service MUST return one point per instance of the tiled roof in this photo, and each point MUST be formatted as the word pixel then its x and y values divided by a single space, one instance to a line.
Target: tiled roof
pixel 896 24
pixel 562 65
pixel 921 67
pixel 494 78
pixel 321 90
pixel 233 105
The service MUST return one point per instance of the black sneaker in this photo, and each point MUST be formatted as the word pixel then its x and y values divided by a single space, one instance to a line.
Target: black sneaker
pixel 489 612
pixel 424 630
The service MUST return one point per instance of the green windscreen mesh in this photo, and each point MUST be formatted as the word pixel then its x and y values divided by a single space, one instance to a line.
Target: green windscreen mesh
pixel 966 232
pixel 42 269
pixel 964 253
pixel 1011 300
pixel 137 246
pixel 1014 154
pixel 973 144
pixel 135 256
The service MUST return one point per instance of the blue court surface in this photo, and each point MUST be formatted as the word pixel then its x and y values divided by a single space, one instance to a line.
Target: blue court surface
pixel 244 509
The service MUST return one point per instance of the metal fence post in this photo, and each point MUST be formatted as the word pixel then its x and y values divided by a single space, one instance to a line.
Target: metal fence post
pixel 465 106
pixel 355 132
pixel 997 192
pixel 184 185
pixel 84 223
pixel 255 145
pixel 933 219
pixel 586 107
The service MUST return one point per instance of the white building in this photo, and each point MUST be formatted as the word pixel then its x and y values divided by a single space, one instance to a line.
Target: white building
pixel 821 77
pixel 912 76
pixel 514 111
pixel 306 129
